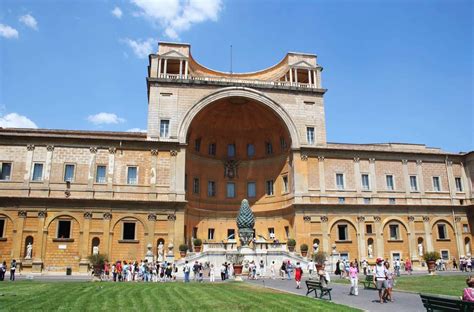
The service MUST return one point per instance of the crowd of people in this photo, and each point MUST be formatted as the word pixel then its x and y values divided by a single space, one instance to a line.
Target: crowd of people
pixel 4 268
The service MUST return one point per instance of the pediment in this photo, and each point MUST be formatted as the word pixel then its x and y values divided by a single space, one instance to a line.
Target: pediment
pixel 173 54
pixel 302 64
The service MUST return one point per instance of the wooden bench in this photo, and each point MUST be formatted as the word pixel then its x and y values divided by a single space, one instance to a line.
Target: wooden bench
pixel 315 286
pixel 440 303
pixel 369 280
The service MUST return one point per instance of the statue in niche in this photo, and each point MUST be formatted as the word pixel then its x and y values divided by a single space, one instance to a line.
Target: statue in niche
pixel 370 251
pixel 230 168
pixel 29 250
pixel 160 252
pixel 95 250
pixel 420 249
pixel 315 247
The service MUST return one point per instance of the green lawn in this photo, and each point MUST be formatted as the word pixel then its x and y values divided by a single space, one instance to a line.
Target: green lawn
pixel 108 296
pixel 449 285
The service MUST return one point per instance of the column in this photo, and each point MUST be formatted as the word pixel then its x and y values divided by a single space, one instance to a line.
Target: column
pixel 357 177
pixel 458 236
pixel 465 180
pixel 373 176
pixel 300 176
pixel 296 75
pixel 159 67
pixel 18 234
pixel 180 68
pixel 379 245
pixel 107 235
pixel 111 169
pixel 322 179
pixel 40 243
pixel 309 77
pixel 325 233
pixel 451 183
pixel 153 174
pixel 92 160
pixel 180 164
pixel 150 236
pixel 186 69
pixel 84 243
pixel 49 158
pixel 171 229
pixel 291 75
pixel 406 178
pixel 428 236
pixel 419 173
pixel 320 82
pixel 166 67
pixel 361 237
pixel 412 243
pixel 178 231
pixel 315 78
pixel 28 164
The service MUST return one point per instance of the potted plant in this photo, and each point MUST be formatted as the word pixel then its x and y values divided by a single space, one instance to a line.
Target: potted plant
pixel 304 250
pixel 319 258
pixel 291 243
pixel 430 258
pixel 97 262
pixel 197 244
pixel 183 248
pixel 237 264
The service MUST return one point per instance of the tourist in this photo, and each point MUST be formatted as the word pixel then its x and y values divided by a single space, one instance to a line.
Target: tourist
pixel 272 270
pixel 223 268
pixel 201 272
pixel 261 271
pixel 231 270
pixel 342 268
pixel 354 279
pixel 196 271
pixel 389 282
pixel 324 278
pixel 468 293
pixel 12 270
pixel 469 264
pixel 254 270
pixel 338 270
pixel 380 278
pixel 289 269
pixel 283 270
pixel 396 266
pixel 3 269
pixel 311 268
pixel 356 264
pixel 212 274
pixel 298 274
pixel 408 266
pixel 364 266
pixel 455 264
pixel 169 271
pixel 186 270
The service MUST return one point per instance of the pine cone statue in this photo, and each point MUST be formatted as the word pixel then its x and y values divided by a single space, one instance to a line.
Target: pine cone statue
pixel 245 219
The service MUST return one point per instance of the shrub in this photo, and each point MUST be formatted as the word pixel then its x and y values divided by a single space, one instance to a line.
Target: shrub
pixel 183 247
pixel 197 242
pixel 97 260
pixel 431 256
pixel 319 257
pixel 291 242
pixel 304 247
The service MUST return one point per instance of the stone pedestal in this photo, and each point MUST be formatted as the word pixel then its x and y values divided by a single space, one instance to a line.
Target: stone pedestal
pixel 37 266
pixel 333 260
pixel 170 258
pixel 84 266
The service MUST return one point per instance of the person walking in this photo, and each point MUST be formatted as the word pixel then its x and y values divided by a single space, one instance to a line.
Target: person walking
pixel 380 278
pixel 311 268
pixel 3 270
pixel 289 269
pixel 390 281
pixel 12 270
pixel 298 275
pixel 283 270
pixel 455 264
pixel 212 274
pixel 354 279
pixel 186 270
pixel 272 269
pixel 223 268
pixel 338 270
pixel 408 266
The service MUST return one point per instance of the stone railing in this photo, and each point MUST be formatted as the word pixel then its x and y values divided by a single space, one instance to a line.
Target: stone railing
pixel 219 246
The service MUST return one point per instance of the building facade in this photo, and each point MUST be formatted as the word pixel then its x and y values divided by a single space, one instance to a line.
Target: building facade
pixel 213 139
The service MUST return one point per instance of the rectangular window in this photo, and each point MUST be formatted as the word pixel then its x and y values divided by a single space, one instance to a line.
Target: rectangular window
pixel 210 234
pixel 310 135
pixel 458 183
pixel 283 144
pixel 365 182
pixel 269 187
pixel 285 184
pixel 250 150
pixel 37 172
pixel 69 173
pixel 368 228
pixel 2 228
pixel 185 182
pixel 287 231
pixel 340 181
pixel 100 174
pixel 230 189
pixel 212 149
pixel 231 150
pixel 64 229
pixel 197 144
pixel 230 234
pixel 128 231
pixel 195 232
pixel 366 200
pixel 394 235
pixel 445 255
pixel 341 200
pixel 436 185
pixel 391 201
pixel 5 171
pixel 342 232
pixel 442 231
pixel 389 180
pixel 132 175
pixel 196 185
pixel 413 184
pixel 164 128
pixel 271 233
pixel 211 188
pixel 251 189
pixel 465 228
pixel 268 148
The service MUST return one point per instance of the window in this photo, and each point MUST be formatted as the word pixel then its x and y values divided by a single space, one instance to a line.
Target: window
pixel 391 201
pixel 310 135
pixel 458 184
pixel 340 181
pixel 250 150
pixel 164 128
pixel 230 234
pixel 2 228
pixel 68 173
pixel 389 180
pixel 287 231
pixel 212 149
pixel 185 182
pixel 231 150
pixel 195 232
pixel 210 234
pixel 5 171
pixel 283 144
pixel 230 189
pixel 128 231
pixel 271 233
pixel 285 184
pixel 251 189
pixel 442 234
pixel 366 200
pixel 268 148
pixel 341 200
pixel 365 182
pixel 197 144
pixel 100 174
pixel 196 185
pixel 368 228
pixel 64 229
pixel 394 232
pixel 269 187
pixel 342 232
pixel 37 172
pixel 465 228
pixel 413 184
pixel 445 255
pixel 132 175
pixel 436 185
pixel 211 188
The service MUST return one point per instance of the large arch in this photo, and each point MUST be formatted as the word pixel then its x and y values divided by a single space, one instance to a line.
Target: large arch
pixel 238 92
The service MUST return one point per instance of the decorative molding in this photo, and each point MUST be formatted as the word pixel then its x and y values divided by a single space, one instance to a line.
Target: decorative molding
pixel 372 160
pixel 419 162
pixel 112 150
pixel 304 157
pixel 324 219
pixel 306 218
pixel 172 217
pixel 154 152
pixel 411 218
pixel 377 219
pixel 42 214
pixel 50 148
pixel 404 161
pixel 151 217
pixel 93 149
pixel 426 218
pixel 173 153
pixel 107 216
pixel 231 167
pixel 321 158
pixel 30 147
pixel 88 215
pixel 356 159
pixel 449 163
pixel 457 219
pixel 22 213
pixel 361 218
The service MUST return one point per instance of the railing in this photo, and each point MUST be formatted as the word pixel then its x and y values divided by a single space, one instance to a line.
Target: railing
pixel 241 81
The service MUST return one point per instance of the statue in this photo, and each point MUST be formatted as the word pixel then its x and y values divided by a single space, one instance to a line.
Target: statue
pixel 420 249
pixel 95 250
pixel 160 252
pixel 370 251
pixel 315 247
pixel 334 251
pixel 170 248
pixel 245 223
pixel 29 250
pixel 149 253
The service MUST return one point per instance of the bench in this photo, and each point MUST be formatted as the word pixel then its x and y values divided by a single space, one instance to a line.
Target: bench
pixel 440 303
pixel 369 280
pixel 315 286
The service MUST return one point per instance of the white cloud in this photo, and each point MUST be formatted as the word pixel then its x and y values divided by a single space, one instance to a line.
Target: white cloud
pixel 29 21
pixel 117 12
pixel 141 48
pixel 13 120
pixel 136 130
pixel 8 32
pixel 105 118
pixel 177 16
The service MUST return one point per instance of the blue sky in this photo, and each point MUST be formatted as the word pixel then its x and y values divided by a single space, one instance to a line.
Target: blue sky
pixel 396 71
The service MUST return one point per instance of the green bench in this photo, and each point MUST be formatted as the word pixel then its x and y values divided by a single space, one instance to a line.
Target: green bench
pixel 369 282
pixel 434 303
pixel 315 286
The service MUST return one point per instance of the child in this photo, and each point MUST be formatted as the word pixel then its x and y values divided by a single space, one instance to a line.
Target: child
pixel 468 294
pixel 298 274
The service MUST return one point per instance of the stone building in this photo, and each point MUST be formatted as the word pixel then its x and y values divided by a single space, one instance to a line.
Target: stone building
pixel 213 139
